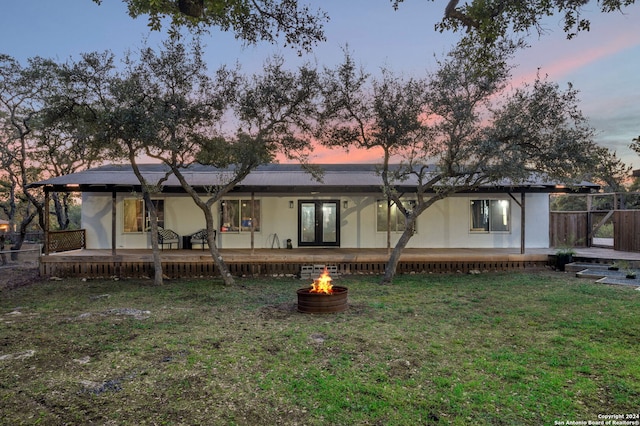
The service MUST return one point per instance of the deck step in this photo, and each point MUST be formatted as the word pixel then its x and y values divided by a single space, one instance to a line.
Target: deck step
pixel 605 276
pixel 591 274
pixel 581 266
pixel 620 281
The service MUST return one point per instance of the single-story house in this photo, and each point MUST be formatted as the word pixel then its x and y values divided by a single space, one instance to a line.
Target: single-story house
pixel 278 204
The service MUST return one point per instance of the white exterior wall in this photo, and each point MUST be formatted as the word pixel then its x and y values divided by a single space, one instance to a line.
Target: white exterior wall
pixel 95 219
pixel 181 215
pixel 276 219
pixel 444 225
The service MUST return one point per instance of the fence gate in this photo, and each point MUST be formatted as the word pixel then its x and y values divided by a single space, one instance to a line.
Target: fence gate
pixel 617 215
pixel 626 230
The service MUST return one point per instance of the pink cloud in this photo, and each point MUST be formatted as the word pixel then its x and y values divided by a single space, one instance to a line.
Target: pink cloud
pixel 325 155
pixel 558 58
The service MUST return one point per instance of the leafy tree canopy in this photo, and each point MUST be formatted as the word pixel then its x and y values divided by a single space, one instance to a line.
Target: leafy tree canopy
pixel 492 20
pixel 635 145
pixel 250 20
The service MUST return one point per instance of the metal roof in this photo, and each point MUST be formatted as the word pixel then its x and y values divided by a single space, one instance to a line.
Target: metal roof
pixel 289 178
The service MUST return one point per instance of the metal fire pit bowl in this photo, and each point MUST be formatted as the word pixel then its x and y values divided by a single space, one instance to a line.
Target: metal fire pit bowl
pixel 319 303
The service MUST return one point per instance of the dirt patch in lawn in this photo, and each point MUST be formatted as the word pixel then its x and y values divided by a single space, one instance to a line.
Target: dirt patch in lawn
pixel 19 268
pixel 14 276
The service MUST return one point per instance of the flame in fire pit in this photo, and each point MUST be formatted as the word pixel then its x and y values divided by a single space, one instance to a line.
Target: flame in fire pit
pixel 322 284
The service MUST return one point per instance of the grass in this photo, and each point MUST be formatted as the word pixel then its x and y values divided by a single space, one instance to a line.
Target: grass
pixel 605 231
pixel 431 349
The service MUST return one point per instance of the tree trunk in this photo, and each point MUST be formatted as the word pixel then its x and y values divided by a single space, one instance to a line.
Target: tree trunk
pixel 3 257
pixel 227 278
pixel 153 216
pixel 61 207
pixel 22 234
pixel 208 217
pixel 153 231
pixel 193 8
pixel 392 264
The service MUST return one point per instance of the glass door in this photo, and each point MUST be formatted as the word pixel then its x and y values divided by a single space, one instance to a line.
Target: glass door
pixel 319 223
pixel 308 223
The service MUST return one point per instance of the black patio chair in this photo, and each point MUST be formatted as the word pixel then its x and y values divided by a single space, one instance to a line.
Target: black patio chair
pixel 200 237
pixel 167 236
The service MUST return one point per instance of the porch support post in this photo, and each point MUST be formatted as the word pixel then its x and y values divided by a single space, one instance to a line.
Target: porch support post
pixel 589 231
pixel 253 218
pixel 388 224
pixel 113 222
pixel 46 220
pixel 522 221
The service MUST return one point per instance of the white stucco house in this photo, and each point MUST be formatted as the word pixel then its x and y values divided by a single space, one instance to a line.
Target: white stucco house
pixel 281 202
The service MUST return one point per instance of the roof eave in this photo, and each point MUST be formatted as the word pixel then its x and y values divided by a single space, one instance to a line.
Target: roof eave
pixel 316 189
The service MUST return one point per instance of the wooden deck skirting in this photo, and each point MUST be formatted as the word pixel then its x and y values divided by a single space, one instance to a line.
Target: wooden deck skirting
pixel 186 263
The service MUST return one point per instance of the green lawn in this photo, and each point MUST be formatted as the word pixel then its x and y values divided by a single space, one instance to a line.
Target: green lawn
pixel 534 348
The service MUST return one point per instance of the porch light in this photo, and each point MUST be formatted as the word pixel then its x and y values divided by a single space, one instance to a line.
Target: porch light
pixel 345 204
pixel 291 204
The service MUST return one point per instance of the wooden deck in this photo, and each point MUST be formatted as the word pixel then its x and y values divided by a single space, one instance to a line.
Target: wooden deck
pixel 242 262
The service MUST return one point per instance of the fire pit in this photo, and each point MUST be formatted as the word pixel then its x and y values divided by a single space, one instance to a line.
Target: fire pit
pixel 322 297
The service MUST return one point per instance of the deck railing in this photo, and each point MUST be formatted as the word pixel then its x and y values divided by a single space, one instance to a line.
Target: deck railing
pixel 59 241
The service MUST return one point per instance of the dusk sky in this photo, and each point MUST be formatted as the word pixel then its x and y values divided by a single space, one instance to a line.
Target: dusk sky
pixel 604 64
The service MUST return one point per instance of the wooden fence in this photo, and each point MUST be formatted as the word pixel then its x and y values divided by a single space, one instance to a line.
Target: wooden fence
pixel 569 229
pixel 574 229
pixel 626 230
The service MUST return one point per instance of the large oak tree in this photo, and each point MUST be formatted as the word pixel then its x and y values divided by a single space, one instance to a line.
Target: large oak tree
pixel 271 113
pixel 41 138
pixel 457 130
pixel 165 105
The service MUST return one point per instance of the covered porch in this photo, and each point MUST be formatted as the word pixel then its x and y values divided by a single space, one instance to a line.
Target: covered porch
pixel 137 263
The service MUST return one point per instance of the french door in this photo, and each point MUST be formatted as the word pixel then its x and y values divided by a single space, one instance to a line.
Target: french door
pixel 319 223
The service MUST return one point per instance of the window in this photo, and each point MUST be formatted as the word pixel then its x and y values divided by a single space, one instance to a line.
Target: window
pixel 159 214
pixel 133 215
pixel 397 221
pixel 239 216
pixel 136 216
pixel 490 215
